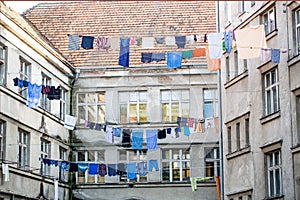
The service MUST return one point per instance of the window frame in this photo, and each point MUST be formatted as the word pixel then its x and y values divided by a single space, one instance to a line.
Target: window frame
pixel 267 21
pixel 274 103
pixel 97 103
pixel 45 103
pixel 63 175
pixel 45 153
pixel 173 100
pixel 128 102
pixel 2 139
pixel 213 101
pixel 24 148
pixel 63 103
pixel 238 135
pixel 297 29
pixel 215 160
pixel 227 69
pixel 272 166
pixel 3 64
pixel 229 140
pixel 25 74
pixel 171 161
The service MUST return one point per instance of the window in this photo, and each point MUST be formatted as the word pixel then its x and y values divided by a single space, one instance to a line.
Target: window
pixel 2 139
pixel 175 165
pixel 3 56
pixel 63 176
pixel 45 153
pixel 210 103
pixel 247 134
pixel 90 157
pixel 23 156
pixel 298 117
pixel 241 5
pixel 212 162
pixel 133 106
pixel 25 68
pixel 297 27
pixel 129 156
pixel 245 64
pixel 236 64
pixel 238 136
pixel 227 11
pixel 229 139
pixel 63 103
pixel 271 91
pixel 175 103
pixel 45 102
pixel 268 20
pixel 91 107
pixel 227 69
pixel 274 179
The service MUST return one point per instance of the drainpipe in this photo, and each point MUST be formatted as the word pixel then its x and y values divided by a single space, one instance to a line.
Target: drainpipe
pixel 220 117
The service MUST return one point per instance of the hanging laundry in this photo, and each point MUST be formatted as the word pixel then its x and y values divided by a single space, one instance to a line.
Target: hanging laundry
pixel 121 170
pixel 228 41
pixel 82 167
pixel 70 122
pixel 111 170
pixel 215 45
pixel 33 95
pixel 45 89
pixel 153 164
pixel 126 141
pixel 233 36
pixel 142 168
pixel 87 42
pixel 73 42
pixel 133 41
pixel 194 181
pixel 199 127
pixel 65 165
pixel 189 39
pixel 102 169
pixel 186 131
pixel 139 41
pixel 174 133
pixel 114 43
pixel 198 52
pixel 93 168
pixel 157 57
pixel 124 52
pixel 55 189
pixel 91 125
pixel 148 42
pixel 73 167
pixel 98 127
pixel 191 122
pixel 205 38
pixel 151 137
pixel 137 139
pixel 169 130
pixel 103 43
pixel 216 121
pixel 212 64
pixel 5 171
pixel 109 134
pixel 161 134
pixel 117 132
pixel 146 57
pixel 20 83
pixel 250 41
pixel 86 123
pixel 209 123
pixel 170 41
pixel 174 59
pixel 16 81
pixel 275 55
pixel 54 93
pixel 160 40
pixel 104 127
pixel 265 54
pixel 195 38
pixel 180 41
pixel 25 83
pixel 131 170
pixel 187 54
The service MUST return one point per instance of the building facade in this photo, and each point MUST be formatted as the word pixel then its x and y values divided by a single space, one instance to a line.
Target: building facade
pixel 29 132
pixel 146 96
pixel 261 104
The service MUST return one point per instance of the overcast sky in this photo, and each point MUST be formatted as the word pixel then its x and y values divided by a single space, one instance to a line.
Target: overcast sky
pixel 21 6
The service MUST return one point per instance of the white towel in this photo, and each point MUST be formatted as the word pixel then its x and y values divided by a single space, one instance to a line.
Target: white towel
pixel 215 45
pixel 70 122
pixel 170 41
pixel 148 42
pixel 115 43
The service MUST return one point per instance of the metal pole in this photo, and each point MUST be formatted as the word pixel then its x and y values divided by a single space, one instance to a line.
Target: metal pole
pixel 220 117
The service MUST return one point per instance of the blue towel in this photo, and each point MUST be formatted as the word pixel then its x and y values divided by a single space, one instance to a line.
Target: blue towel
pixel 174 59
pixel 228 41
pixel 73 42
pixel 131 170
pixel 142 168
pixel 146 57
pixel 153 164
pixel 111 168
pixel 65 165
pixel 93 168
pixel 82 167
pixel 180 41
pixel 124 52
pixel 151 139
pixel 275 56
pixel 117 132
pixel 87 42
pixel 186 130
pixel 137 139
pixel 158 57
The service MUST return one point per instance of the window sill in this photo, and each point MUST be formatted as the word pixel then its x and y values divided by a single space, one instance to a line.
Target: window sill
pixel 280 197
pixel 236 79
pixel 238 153
pixel 270 117
pixel 295 149
pixel 271 34
pixel 292 61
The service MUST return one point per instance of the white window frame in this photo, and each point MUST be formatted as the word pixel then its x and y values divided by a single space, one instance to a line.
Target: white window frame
pixel 63 175
pixel 210 97
pixel 97 103
pixel 267 20
pixel 298 117
pixel 45 102
pixel 297 30
pixel 227 11
pixel 63 103
pixel 25 74
pixel 238 135
pixel 136 156
pixel 215 160
pixel 172 160
pixel 2 139
pixel 3 65
pixel 229 140
pixel 45 153
pixel 138 98
pixel 271 168
pixel 271 89
pixel 24 149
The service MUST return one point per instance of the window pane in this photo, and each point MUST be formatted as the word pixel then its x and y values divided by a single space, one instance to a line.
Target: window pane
pixel 165 112
pixel 91 156
pixel 101 97
pixel 277 181
pixel 133 96
pixel 166 154
pixel 208 110
pixel 133 112
pixel 123 97
pixel 165 171
pixel 143 96
pixel 101 114
pixel 176 155
pixel 81 156
pixel 123 155
pixel 176 95
pixel 165 95
pixel 275 103
pixel 185 94
pixel 208 94
pixel 186 154
pixel 271 183
pixel 175 111
pixel 91 114
pixel 185 171
pixel 91 98
pixel 123 113
pixel 81 114
pixel 185 109
pixel 143 112
pixel 209 169
pixel 268 102
pixel 176 171
pixel 81 98
pixel 272 20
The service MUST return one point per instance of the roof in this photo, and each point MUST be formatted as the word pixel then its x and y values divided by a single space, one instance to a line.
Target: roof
pixel 121 19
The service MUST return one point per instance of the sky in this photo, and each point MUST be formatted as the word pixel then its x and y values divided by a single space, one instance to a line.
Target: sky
pixel 21 6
